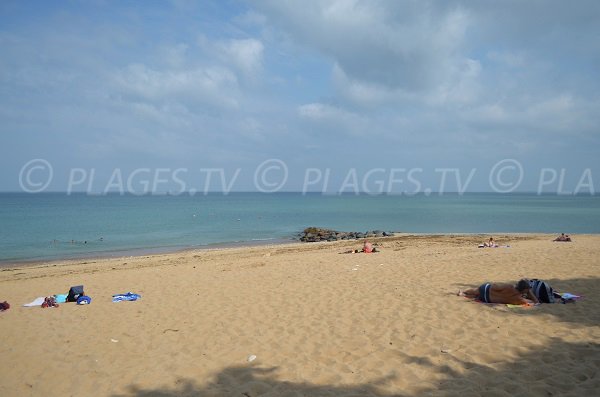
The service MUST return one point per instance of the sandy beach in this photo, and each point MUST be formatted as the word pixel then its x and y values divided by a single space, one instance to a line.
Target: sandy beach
pixel 318 321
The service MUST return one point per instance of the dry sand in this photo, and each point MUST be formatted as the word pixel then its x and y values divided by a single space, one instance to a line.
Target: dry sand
pixel 319 322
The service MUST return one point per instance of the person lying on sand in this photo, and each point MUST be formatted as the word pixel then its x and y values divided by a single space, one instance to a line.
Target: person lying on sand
pixel 491 243
pixel 563 237
pixel 502 293
pixel 367 249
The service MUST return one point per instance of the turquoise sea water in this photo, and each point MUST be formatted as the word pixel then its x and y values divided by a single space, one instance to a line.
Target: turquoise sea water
pixel 55 225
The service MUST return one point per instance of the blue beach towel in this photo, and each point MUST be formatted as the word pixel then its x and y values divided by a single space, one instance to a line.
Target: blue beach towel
pixel 84 300
pixel 130 296
pixel 60 298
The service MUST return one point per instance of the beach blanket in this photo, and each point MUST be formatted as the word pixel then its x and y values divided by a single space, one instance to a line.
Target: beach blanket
pixel 567 297
pixel 495 246
pixel 84 300
pixel 509 305
pixel 36 302
pixel 129 296
pixel 60 298
pixel 522 306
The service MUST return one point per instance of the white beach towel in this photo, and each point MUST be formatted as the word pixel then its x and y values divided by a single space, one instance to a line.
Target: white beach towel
pixel 36 302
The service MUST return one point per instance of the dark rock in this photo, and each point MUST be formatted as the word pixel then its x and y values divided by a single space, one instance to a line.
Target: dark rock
pixel 315 234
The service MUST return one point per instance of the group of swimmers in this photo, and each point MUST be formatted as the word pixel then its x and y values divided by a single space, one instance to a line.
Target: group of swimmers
pixel 55 241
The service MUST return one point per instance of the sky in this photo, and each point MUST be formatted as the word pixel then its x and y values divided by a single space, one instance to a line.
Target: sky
pixel 326 96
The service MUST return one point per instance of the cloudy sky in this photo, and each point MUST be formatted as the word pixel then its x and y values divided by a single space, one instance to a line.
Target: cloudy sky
pixel 358 91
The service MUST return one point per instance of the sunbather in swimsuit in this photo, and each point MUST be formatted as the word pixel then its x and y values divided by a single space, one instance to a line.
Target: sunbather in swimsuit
pixel 501 293
pixel 484 293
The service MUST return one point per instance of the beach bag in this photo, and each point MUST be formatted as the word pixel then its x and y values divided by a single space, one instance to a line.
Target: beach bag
pixel 75 293
pixel 542 291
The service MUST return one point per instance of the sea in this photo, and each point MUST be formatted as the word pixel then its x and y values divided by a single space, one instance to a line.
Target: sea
pixel 53 226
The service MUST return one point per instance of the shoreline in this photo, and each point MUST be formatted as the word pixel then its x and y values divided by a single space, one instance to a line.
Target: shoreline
pixel 151 250
pixel 278 243
pixel 136 253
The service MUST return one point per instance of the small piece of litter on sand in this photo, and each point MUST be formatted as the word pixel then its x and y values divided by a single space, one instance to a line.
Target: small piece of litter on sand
pixel 251 358
pixel 445 350
pixel 114 340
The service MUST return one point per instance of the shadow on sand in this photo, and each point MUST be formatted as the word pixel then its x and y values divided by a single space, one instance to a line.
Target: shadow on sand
pixel 581 312
pixel 578 376
pixel 557 369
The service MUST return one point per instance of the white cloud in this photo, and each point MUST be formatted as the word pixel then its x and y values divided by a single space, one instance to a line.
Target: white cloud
pixel 321 111
pixel 333 119
pixel 224 83
pixel 211 86
pixel 359 92
pixel 252 129
pixel 511 59
pixel 462 87
pixel 402 46
pixel 245 54
pixel 242 55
